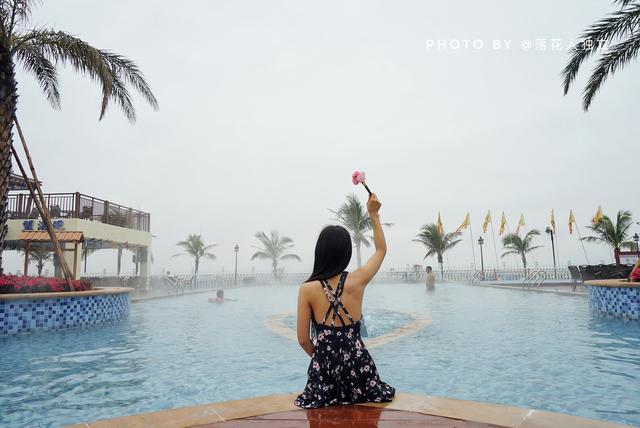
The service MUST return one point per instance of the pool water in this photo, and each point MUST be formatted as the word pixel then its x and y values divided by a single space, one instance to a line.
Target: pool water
pixel 525 349
pixel 377 321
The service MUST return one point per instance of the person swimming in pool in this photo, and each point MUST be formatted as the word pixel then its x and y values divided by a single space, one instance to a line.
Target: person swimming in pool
pixel 341 370
pixel 220 297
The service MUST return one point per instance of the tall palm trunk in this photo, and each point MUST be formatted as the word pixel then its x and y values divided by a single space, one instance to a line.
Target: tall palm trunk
pixel 8 98
pixel 524 264
pixel 440 261
pixel 358 255
pixel 119 263
pixel 275 269
pixel 616 255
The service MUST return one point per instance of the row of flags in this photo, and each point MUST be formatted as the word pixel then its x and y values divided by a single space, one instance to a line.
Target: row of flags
pixel 521 222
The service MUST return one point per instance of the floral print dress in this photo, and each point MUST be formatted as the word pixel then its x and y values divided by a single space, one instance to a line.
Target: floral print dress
pixel 341 370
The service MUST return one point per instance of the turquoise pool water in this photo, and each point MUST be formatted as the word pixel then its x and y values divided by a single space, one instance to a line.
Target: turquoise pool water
pixel 377 321
pixel 519 348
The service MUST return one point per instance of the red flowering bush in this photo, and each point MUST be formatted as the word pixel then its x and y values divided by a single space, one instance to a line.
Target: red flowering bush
pixel 635 275
pixel 11 284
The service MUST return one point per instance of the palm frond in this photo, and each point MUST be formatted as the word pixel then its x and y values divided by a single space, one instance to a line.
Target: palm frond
pixel 14 13
pixel 34 62
pixel 509 252
pixel 291 257
pixel 616 58
pixel 112 71
pixel 260 255
pixel 610 28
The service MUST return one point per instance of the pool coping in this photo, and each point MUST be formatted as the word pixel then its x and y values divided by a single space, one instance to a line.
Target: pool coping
pixel 614 283
pixel 533 289
pixel 102 291
pixel 475 411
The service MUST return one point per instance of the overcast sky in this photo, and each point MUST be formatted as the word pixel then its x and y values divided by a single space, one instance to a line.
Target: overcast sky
pixel 267 107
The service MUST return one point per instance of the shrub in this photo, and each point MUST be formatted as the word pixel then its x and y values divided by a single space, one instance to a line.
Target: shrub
pixel 11 284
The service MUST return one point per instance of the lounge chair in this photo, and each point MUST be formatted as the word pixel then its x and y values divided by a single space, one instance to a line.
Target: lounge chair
pixel 576 278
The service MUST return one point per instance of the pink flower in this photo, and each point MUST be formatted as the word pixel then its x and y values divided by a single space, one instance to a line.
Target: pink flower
pixel 357 177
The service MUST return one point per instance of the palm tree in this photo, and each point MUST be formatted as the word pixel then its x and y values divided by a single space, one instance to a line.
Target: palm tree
pixel 274 248
pixel 40 51
pixel 195 248
pixel 615 235
pixel 514 244
pixel 435 243
pixel 353 216
pixel 40 255
pixel 621 28
pixel 86 252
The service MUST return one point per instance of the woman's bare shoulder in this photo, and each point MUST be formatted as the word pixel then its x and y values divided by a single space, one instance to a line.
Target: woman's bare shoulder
pixel 307 287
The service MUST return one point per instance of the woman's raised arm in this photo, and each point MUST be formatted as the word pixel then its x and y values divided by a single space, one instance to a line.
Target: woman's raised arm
pixel 365 273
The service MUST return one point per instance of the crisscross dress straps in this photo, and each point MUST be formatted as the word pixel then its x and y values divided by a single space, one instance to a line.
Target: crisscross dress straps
pixel 335 303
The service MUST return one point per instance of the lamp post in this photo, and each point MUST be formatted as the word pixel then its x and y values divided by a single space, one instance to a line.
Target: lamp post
pixel 235 272
pixel 481 243
pixel 553 249
pixel 636 238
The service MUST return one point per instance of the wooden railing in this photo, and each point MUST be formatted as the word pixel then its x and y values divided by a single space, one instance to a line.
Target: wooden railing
pixel 78 205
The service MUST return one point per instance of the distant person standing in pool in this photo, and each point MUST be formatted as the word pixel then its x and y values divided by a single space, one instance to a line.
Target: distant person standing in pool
pixel 341 370
pixel 431 279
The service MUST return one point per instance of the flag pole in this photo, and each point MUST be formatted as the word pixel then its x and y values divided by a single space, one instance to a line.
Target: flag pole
pixel 582 243
pixel 473 250
pixel 495 249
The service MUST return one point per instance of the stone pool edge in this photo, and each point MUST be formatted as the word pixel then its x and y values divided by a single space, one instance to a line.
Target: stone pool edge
pixel 101 291
pixel 505 416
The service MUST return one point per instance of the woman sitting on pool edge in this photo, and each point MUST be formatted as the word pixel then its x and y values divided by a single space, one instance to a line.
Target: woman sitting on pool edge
pixel 341 370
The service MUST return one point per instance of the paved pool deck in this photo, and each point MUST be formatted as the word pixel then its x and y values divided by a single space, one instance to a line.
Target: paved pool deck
pixel 406 410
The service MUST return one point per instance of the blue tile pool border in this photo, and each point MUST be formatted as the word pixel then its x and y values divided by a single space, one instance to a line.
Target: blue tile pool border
pixel 23 315
pixel 616 302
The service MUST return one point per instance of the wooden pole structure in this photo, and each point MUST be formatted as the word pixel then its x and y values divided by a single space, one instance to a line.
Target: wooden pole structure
pixel 75 259
pixel 40 203
pixel 26 258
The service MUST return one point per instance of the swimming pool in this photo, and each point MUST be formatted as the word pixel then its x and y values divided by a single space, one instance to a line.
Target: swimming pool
pixel 519 348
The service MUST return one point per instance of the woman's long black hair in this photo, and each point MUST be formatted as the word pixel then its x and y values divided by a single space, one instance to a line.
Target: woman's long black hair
pixel 333 253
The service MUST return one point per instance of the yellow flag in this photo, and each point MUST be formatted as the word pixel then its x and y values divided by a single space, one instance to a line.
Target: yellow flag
pixel 465 223
pixel 553 222
pixel 596 218
pixel 487 220
pixel 572 220
pixel 503 224
pixel 520 223
pixel 439 225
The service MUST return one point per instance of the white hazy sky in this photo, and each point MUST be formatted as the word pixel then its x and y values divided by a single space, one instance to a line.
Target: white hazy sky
pixel 267 107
